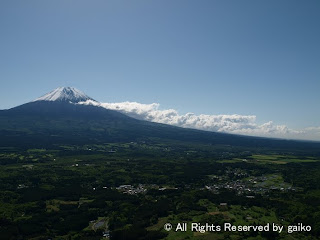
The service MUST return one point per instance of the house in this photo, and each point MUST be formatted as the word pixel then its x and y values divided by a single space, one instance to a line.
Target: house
pixel 223 206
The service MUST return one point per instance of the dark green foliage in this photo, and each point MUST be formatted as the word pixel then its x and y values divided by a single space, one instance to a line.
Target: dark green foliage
pixel 61 166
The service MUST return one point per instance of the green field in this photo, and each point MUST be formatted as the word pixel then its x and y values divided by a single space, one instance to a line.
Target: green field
pixel 272 159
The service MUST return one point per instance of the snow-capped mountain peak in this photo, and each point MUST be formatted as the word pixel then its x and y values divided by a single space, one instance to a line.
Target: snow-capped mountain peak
pixel 65 94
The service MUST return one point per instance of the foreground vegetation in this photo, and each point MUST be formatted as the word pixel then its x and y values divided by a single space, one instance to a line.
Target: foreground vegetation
pixel 130 190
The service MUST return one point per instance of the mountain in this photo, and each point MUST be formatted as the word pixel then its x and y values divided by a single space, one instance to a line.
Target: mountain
pixel 57 118
pixel 65 94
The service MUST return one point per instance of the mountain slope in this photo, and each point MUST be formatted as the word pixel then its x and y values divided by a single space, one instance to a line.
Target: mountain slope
pixel 60 121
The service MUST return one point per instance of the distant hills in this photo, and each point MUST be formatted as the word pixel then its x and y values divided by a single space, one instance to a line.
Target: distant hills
pixel 57 118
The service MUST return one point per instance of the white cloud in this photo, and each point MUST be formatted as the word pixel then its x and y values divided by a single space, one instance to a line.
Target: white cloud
pixel 235 123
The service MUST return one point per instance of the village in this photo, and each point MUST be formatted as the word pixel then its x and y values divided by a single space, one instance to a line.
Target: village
pixel 240 182
pixel 236 180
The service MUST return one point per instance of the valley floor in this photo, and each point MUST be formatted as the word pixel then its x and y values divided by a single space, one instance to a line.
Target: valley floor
pixel 134 190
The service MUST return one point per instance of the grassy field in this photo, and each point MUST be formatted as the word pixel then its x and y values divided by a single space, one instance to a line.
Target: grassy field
pixel 271 159
pixel 235 214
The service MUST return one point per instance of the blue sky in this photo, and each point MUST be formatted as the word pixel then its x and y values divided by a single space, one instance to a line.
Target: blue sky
pixel 258 58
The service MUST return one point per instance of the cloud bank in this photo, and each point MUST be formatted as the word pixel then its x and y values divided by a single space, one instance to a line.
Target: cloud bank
pixel 235 123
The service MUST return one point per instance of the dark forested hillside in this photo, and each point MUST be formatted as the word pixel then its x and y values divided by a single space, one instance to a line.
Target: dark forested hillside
pixel 45 123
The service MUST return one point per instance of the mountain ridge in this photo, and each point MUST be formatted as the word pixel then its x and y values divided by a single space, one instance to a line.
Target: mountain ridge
pixel 64 122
